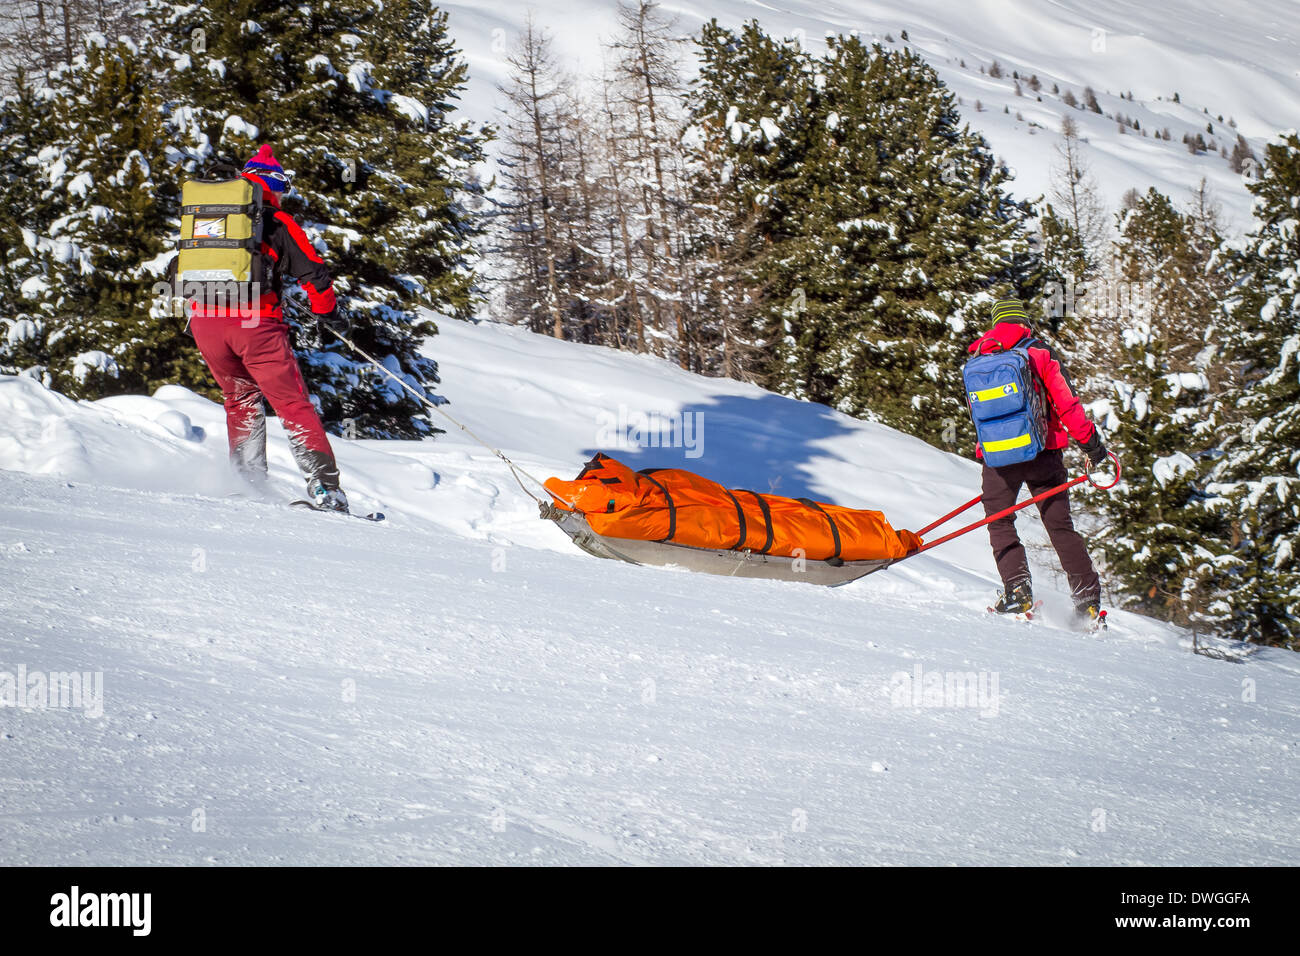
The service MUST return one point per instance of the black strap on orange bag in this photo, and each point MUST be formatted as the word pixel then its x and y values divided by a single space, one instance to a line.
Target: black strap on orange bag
pixel 834 560
pixel 672 508
pixel 740 516
pixel 767 518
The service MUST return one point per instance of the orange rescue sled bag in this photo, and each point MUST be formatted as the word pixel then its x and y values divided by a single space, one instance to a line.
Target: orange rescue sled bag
pixel 671 505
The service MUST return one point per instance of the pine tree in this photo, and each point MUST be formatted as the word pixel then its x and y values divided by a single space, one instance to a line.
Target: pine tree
pixel 889 228
pixel 742 181
pixel 95 240
pixel 1074 241
pixel 37 35
pixel 357 98
pixel 1160 423
pixel 538 296
pixel 27 127
pixel 649 86
pixel 1256 585
pixel 1064 262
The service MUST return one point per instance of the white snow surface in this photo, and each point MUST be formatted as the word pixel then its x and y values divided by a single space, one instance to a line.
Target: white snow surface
pixel 459 684
pixel 1238 60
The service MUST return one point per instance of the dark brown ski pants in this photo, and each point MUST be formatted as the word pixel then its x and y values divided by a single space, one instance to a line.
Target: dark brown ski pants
pixel 1001 486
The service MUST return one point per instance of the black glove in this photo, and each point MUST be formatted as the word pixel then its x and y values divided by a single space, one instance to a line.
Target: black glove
pixel 333 321
pixel 1095 449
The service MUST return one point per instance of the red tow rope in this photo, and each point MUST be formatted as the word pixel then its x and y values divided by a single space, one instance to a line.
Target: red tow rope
pixel 1086 476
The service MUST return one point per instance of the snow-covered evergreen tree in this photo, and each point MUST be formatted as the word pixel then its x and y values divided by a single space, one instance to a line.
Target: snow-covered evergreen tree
pixel 537 216
pixel 1160 420
pixel 26 129
pixel 1075 243
pixel 38 35
pixel 890 231
pixel 356 97
pixel 647 85
pixel 89 227
pixel 1257 483
pixel 1063 264
pixel 739 171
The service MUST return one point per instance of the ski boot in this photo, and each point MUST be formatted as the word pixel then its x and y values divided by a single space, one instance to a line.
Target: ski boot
pixel 1090 616
pixel 1017 599
pixel 327 499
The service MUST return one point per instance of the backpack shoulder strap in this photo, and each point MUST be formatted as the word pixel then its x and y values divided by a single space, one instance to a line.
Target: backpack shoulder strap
pixel 1024 345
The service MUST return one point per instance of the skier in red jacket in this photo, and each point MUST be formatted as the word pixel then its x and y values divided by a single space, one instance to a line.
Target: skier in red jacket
pixel 248 352
pixel 1066 420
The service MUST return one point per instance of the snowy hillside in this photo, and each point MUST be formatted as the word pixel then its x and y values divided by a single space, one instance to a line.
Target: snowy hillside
pixel 1238 60
pixel 460 684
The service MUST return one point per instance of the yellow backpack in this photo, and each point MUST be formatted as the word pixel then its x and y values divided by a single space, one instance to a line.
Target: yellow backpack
pixel 219 261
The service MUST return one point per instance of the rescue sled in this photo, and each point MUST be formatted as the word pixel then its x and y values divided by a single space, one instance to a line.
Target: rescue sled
pixel 674 518
pixel 738 564
pixel 789 539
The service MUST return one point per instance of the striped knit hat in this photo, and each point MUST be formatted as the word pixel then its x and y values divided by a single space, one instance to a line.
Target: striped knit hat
pixel 1010 310
pixel 267 168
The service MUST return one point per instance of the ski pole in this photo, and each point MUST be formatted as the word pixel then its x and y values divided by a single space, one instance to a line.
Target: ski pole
pixel 515 470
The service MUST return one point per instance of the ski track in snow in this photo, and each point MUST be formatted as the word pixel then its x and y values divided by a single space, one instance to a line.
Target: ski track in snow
pixel 461 685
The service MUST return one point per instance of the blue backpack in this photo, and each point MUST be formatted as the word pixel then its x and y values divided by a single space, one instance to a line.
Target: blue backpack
pixel 1007 405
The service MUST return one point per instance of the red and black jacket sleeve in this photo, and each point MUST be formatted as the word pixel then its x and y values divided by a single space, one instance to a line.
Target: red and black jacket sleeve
pixel 294 257
pixel 1065 401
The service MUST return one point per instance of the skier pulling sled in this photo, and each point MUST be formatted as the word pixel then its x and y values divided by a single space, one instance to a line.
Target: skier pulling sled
pixel 672 518
pixel 1024 409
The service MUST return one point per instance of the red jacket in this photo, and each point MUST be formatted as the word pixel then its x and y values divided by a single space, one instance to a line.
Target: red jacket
pixel 1066 418
pixel 287 253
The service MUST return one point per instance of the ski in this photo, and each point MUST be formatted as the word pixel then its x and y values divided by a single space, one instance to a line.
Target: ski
pixel 1019 615
pixel 302 503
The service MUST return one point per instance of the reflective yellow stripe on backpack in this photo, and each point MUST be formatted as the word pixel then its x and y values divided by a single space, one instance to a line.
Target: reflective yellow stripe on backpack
pixel 997 391
pixel 1006 444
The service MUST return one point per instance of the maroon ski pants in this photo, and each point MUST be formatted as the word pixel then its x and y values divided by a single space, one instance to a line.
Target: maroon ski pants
pixel 1001 487
pixel 256 362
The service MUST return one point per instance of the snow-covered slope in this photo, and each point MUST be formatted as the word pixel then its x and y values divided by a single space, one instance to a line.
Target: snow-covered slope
pixel 1235 59
pixel 459 684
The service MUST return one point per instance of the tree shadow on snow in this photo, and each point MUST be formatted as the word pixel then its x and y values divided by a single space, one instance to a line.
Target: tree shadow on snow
pixel 769 444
